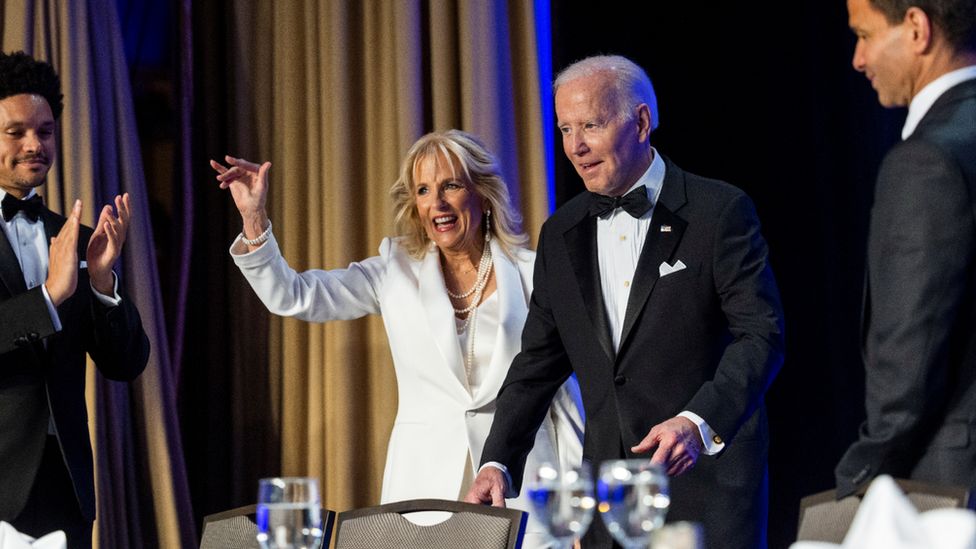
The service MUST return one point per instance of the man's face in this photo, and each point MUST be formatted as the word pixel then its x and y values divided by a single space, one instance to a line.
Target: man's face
pixel 609 151
pixel 883 53
pixel 27 144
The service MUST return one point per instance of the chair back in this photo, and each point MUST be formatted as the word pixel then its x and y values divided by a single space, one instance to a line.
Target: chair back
pixel 237 529
pixel 469 526
pixel 825 518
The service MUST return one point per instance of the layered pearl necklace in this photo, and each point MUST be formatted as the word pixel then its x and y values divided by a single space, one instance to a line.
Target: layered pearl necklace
pixel 484 274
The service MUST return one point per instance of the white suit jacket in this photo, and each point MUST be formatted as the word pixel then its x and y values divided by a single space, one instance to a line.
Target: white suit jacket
pixel 439 424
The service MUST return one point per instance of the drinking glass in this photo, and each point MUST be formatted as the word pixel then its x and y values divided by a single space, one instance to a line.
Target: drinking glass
pixel 289 513
pixel 563 502
pixel 634 500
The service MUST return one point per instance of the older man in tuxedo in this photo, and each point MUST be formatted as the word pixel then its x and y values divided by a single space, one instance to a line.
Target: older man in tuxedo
pixel 53 310
pixel 919 331
pixel 655 289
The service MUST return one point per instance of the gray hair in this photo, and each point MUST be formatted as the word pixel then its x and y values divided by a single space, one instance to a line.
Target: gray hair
pixel 629 84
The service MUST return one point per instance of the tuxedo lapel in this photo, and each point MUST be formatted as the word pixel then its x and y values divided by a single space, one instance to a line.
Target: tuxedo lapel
pixel 581 247
pixel 662 239
pixel 10 274
pixel 440 316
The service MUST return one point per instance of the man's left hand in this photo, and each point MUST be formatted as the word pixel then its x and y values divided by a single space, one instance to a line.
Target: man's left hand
pixel 678 443
pixel 106 243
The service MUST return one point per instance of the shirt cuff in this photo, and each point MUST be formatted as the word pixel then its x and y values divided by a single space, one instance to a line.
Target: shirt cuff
pixel 509 490
pixel 712 442
pixel 51 309
pixel 109 300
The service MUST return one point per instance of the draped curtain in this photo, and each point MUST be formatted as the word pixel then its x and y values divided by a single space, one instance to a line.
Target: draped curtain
pixel 333 92
pixel 143 498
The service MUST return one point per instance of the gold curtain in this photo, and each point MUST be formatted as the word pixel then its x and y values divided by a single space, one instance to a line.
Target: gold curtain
pixel 138 458
pixel 333 92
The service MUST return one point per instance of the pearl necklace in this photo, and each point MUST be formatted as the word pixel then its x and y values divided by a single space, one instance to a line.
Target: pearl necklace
pixel 484 274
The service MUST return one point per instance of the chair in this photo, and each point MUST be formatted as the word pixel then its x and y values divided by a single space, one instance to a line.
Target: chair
pixel 825 518
pixel 469 526
pixel 237 529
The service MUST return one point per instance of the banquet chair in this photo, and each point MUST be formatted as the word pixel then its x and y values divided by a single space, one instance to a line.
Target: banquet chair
pixel 468 525
pixel 825 518
pixel 237 529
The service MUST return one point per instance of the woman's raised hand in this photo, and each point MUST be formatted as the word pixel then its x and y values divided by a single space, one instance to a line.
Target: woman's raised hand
pixel 248 184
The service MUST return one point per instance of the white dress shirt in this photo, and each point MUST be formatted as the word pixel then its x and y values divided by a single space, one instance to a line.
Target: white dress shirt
pixel 620 239
pixel 925 98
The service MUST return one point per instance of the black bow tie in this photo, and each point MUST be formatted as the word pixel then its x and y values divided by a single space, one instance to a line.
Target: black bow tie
pixel 31 207
pixel 635 203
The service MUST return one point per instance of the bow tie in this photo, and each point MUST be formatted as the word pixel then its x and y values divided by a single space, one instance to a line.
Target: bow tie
pixel 635 203
pixel 31 207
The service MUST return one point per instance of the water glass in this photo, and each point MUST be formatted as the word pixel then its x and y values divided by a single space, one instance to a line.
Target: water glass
pixel 289 513
pixel 634 500
pixel 563 501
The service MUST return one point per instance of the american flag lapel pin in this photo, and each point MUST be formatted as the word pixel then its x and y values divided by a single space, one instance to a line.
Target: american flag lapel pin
pixel 665 228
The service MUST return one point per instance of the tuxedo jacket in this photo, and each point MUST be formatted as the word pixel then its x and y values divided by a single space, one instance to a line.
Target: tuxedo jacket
pixel 707 338
pixel 42 372
pixel 440 426
pixel 919 319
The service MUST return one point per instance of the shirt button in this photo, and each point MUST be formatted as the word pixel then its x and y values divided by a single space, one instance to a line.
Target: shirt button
pixel 619 380
pixel 716 439
pixel 623 237
pixel 626 284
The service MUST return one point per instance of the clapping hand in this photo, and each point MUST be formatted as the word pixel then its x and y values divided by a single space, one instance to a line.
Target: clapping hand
pixel 62 271
pixel 105 245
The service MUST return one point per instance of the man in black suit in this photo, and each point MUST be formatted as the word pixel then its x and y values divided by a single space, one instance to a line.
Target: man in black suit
pixel 52 312
pixel 654 288
pixel 919 320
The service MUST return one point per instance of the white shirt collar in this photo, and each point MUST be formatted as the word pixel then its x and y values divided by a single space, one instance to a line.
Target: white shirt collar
pixel 653 178
pixel 924 99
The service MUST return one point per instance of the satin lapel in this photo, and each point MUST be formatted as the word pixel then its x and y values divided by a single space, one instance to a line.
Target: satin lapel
pixel 512 309
pixel 659 245
pixel 581 247
pixel 440 316
pixel 10 274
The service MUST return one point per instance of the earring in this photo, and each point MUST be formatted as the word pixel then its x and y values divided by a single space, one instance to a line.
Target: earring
pixel 488 226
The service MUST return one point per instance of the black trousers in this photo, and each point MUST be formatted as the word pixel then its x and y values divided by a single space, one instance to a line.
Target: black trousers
pixel 52 504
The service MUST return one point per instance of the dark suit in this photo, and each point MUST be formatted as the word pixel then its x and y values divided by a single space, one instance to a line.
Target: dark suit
pixel 919 336
pixel 708 339
pixel 39 365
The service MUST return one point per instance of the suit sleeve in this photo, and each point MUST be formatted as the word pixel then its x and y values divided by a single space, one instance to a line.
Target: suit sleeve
pixel 750 301
pixel 314 295
pixel 533 379
pixel 920 256
pixel 118 345
pixel 24 318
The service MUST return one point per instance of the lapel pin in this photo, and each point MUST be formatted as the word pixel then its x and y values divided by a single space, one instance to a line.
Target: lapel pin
pixel 665 228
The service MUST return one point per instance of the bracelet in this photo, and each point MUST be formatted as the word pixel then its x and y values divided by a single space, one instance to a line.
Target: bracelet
pixel 261 239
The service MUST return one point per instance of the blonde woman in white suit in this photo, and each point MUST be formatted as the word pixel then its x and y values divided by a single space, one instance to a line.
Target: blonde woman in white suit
pixel 453 288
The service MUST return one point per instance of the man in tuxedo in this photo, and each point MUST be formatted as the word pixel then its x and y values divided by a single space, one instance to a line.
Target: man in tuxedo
pixel 655 289
pixel 919 318
pixel 53 310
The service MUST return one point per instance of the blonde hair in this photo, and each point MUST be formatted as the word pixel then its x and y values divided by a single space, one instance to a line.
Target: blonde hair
pixel 479 167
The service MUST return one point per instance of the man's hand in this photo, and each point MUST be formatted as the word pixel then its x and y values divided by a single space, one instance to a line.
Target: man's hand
pixel 489 487
pixel 678 444
pixel 62 269
pixel 106 243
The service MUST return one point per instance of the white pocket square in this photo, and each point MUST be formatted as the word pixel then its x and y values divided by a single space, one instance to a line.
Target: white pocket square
pixel 665 269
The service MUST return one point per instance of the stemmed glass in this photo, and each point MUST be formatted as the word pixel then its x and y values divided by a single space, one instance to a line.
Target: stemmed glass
pixel 563 502
pixel 289 513
pixel 634 500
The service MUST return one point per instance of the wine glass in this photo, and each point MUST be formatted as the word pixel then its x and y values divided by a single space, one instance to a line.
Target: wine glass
pixel 634 500
pixel 563 502
pixel 289 513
